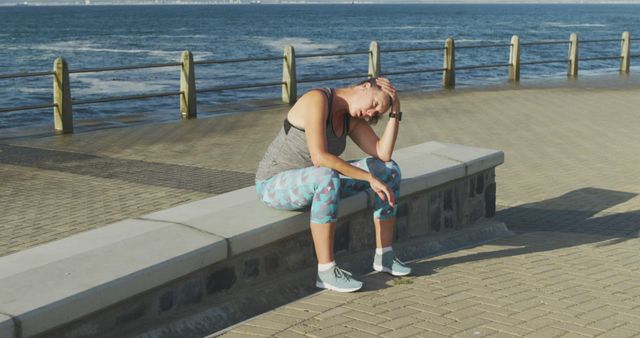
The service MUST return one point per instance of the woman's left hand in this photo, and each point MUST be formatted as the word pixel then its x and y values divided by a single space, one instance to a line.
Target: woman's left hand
pixel 388 88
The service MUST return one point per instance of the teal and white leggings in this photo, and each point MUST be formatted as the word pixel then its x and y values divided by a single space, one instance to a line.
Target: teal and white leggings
pixel 323 187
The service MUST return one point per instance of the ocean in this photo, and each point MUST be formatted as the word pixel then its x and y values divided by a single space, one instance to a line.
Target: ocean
pixel 105 36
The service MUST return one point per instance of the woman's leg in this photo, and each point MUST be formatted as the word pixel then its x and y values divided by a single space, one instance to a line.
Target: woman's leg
pixel 323 235
pixel 383 214
pixel 316 187
pixel 320 188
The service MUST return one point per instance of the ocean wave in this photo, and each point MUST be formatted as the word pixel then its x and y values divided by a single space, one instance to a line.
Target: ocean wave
pixel 564 24
pixel 93 85
pixel 412 41
pixel 303 45
pixel 161 36
pixel 87 46
pixel 26 90
pixel 406 27
pixel 472 40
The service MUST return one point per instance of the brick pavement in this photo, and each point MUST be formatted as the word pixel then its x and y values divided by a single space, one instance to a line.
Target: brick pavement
pixel 568 284
pixel 568 188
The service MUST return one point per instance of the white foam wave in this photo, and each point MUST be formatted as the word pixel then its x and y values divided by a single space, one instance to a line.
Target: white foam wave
pixel 25 90
pixel 565 24
pixel 301 45
pixel 412 41
pixel 87 46
pixel 93 85
pixel 160 36
pixel 406 27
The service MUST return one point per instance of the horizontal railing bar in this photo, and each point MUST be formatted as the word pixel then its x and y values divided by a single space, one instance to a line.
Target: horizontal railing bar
pixel 483 66
pixel 211 62
pixel 485 46
pixel 125 98
pixel 601 58
pixel 600 40
pixel 109 69
pixel 544 43
pixel 332 54
pixel 543 61
pixel 17 75
pixel 37 106
pixel 320 79
pixel 634 55
pixel 415 71
pixel 219 89
pixel 411 50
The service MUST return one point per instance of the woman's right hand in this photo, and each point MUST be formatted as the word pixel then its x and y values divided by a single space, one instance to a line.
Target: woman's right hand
pixel 388 88
pixel 382 190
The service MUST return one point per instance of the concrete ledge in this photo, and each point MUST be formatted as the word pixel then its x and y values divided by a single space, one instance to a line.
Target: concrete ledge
pixel 7 329
pixel 62 281
pixel 59 282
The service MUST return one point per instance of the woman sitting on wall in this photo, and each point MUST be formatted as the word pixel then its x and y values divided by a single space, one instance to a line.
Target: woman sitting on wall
pixel 301 168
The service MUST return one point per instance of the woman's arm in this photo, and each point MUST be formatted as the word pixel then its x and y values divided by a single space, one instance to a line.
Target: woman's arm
pixel 364 136
pixel 315 104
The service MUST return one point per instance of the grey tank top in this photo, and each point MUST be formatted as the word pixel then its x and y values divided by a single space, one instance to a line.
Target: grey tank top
pixel 289 149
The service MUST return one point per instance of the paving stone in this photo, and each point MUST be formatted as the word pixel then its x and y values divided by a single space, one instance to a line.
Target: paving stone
pixel 575 249
pixel 620 332
pixel 255 330
pixel 369 328
pixel 408 331
pixel 547 332
pixel 331 331
pixel 395 324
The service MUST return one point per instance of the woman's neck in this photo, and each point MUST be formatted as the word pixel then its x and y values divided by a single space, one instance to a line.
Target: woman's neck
pixel 340 103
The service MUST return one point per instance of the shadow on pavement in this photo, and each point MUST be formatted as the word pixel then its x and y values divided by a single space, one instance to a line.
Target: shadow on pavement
pixel 578 212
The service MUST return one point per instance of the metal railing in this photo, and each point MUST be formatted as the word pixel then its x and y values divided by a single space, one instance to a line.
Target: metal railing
pixel 62 103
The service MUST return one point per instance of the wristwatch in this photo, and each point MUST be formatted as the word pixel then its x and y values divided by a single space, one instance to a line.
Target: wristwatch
pixel 397 115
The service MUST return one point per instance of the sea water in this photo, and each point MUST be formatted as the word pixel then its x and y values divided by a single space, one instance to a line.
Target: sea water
pixel 31 38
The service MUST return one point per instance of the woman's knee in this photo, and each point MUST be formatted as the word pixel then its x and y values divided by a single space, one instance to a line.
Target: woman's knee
pixel 389 172
pixel 395 169
pixel 325 177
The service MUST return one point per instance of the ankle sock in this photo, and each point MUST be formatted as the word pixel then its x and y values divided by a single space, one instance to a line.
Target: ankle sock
pixel 380 251
pixel 326 266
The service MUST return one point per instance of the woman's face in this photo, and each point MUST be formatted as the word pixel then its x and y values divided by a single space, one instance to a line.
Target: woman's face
pixel 369 102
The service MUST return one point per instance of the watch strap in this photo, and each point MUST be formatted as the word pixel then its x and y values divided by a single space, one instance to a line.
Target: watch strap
pixel 397 115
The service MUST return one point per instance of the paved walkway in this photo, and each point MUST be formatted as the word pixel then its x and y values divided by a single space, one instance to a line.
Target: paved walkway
pixel 569 189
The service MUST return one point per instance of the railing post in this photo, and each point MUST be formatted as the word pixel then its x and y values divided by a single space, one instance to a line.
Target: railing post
pixel 573 55
pixel 62 111
pixel 449 73
pixel 514 59
pixel 289 83
pixel 374 59
pixel 625 53
pixel 188 109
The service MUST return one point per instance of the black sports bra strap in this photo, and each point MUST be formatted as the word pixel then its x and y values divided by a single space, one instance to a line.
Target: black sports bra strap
pixel 326 91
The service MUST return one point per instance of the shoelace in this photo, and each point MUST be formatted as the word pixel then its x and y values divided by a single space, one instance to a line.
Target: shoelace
pixel 339 273
pixel 395 259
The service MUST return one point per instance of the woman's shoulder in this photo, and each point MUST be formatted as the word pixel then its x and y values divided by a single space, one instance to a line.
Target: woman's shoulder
pixel 313 98
pixel 312 103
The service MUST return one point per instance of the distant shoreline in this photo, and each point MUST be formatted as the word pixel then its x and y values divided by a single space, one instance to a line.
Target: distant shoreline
pixel 451 2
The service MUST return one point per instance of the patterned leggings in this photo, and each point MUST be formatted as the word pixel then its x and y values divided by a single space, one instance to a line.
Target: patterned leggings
pixel 323 187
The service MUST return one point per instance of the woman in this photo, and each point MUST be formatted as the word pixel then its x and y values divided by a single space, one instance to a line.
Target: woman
pixel 301 168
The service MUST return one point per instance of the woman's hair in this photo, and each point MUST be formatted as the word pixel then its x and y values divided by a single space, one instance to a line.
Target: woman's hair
pixel 372 80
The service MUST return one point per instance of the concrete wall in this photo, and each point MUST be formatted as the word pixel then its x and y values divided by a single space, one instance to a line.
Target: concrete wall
pixel 444 217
